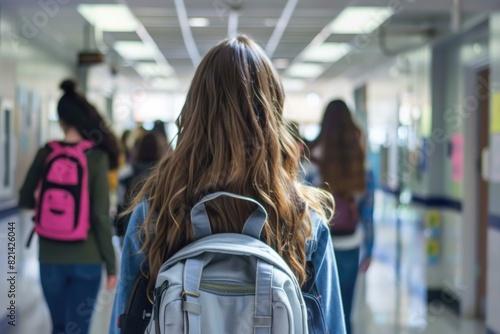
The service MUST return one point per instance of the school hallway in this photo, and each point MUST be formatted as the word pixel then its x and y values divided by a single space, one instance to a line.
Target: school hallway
pixel 418 80
pixel 385 302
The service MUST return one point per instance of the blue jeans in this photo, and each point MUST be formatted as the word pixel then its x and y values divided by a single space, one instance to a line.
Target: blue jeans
pixel 348 266
pixel 71 292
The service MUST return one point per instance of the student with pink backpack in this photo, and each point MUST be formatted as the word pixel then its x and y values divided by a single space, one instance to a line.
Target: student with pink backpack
pixel 67 186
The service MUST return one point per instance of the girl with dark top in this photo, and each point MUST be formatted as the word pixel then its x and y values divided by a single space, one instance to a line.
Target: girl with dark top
pixel 147 155
pixel 125 140
pixel 70 271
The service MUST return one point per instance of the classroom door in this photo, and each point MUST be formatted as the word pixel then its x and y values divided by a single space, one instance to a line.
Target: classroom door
pixel 483 89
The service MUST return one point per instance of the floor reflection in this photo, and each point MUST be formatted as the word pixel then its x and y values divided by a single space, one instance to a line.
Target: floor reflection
pixel 388 300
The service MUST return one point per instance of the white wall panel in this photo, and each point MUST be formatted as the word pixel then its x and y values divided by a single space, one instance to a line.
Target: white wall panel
pixel 493 280
pixel 493 300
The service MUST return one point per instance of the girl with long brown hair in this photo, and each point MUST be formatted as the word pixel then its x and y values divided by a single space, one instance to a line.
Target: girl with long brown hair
pixel 233 137
pixel 339 153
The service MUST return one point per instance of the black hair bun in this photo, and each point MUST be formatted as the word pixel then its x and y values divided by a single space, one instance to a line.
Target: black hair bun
pixel 68 86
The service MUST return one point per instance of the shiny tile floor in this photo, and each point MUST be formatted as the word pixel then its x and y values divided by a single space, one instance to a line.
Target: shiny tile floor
pixel 388 301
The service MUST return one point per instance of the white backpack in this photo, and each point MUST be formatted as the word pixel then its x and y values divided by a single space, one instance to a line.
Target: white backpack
pixel 227 283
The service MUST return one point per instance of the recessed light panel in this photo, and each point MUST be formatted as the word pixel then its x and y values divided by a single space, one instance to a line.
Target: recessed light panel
pixel 326 52
pixel 113 17
pixel 293 85
pixel 134 50
pixel 152 69
pixel 305 70
pixel 359 20
pixel 199 22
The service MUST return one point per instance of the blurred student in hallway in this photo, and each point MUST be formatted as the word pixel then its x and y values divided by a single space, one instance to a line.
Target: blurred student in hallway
pixel 67 185
pixel 340 154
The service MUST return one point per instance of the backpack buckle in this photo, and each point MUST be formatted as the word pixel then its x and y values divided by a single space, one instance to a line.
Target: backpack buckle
pixel 189 293
pixel 145 315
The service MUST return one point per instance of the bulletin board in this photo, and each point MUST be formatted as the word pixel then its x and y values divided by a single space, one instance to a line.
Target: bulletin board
pixel 7 150
pixel 29 107
pixel 495 139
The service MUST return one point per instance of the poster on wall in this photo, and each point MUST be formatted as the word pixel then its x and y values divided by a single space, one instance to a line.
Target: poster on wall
pixel 360 102
pixel 457 156
pixel 423 161
pixel 29 109
pixel 7 150
pixel 53 130
pixel 24 110
pixel 495 113
pixel 35 111
pixel 494 152
pixel 23 104
pixel 433 231
pixel 495 158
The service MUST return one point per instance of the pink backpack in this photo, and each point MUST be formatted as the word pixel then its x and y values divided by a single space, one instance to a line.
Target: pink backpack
pixel 62 205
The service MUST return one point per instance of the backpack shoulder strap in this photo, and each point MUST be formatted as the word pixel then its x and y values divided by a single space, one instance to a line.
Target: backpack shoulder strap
pixel 85 144
pixel 53 145
pixel 82 145
pixel 201 223
pixel 263 295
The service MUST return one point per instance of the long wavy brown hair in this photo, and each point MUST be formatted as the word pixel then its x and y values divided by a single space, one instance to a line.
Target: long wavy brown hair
pixel 232 137
pixel 341 157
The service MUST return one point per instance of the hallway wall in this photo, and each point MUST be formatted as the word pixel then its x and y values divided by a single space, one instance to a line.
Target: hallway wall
pixel 430 94
pixel 493 302
pixel 454 130
pixel 31 73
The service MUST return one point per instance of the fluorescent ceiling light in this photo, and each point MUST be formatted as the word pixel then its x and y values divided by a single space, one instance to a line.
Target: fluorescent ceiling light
pixel 199 22
pixel 281 63
pixel 359 20
pixel 326 52
pixel 134 50
pixel 109 17
pixel 151 69
pixel 303 70
pixel 164 84
pixel 313 99
pixel 270 22
pixel 293 85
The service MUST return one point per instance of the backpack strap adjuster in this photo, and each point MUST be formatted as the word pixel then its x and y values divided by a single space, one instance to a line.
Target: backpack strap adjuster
pixel 190 307
pixel 146 315
pixel 190 294
pixel 191 288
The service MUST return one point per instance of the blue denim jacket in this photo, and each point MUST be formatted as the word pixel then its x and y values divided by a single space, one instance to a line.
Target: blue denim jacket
pixel 319 251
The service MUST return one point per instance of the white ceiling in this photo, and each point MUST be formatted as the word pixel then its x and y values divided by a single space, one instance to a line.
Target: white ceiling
pixel 256 18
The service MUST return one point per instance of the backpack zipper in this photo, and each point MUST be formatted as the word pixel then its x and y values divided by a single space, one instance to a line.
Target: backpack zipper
pixel 157 298
pixel 227 288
